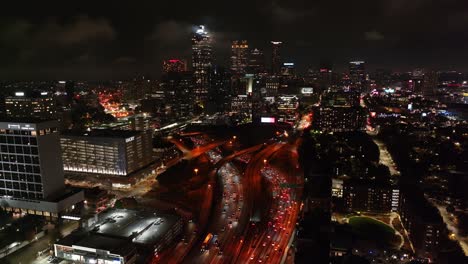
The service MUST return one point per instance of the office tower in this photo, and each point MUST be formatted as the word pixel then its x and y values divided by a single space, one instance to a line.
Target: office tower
pixel 357 71
pixel 239 56
pixel 137 88
pixel 272 84
pixel 276 57
pixel 32 180
pixel 288 70
pixel 106 152
pixel 177 88
pixel 201 63
pixel 430 83
pixel 70 90
pixel 256 62
pixel 219 96
pixel 174 65
pixel 37 104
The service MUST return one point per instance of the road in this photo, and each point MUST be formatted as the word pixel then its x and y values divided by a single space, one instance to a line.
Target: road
pixel 272 236
pixel 28 254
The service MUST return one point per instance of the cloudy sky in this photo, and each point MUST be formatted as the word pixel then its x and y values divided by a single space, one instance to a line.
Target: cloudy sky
pixel 117 39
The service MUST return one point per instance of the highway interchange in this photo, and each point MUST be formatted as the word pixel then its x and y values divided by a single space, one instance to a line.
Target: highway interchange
pixel 252 203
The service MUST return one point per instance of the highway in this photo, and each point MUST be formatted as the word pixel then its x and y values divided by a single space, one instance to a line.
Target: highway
pixel 268 240
pixel 255 217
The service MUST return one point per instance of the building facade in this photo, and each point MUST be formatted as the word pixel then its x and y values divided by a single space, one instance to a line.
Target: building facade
pixel 31 173
pixel 370 197
pixel 201 63
pixel 107 152
pixel 276 57
pixel 39 105
pixel 174 65
pixel 239 56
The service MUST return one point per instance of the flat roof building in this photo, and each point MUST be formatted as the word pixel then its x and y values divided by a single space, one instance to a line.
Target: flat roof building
pixel 117 233
pixel 39 105
pixel 107 152
pixel 31 171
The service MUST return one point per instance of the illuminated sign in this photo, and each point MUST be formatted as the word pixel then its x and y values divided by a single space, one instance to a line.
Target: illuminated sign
pixel 43 93
pixel 76 218
pixel 268 120
pixel 288 64
pixel 19 94
pixel 307 90
pixel 17 126
pixel 130 139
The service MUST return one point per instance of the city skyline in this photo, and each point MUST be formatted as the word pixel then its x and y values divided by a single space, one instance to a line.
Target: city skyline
pixel 46 41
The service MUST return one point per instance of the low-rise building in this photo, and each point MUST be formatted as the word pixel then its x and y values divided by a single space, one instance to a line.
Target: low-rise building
pixel 118 234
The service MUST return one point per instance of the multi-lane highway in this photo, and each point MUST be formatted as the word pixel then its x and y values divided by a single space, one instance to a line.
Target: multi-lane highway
pixel 253 214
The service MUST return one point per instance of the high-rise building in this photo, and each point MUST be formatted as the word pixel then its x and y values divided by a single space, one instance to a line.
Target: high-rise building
pixel 370 196
pixel 239 56
pixel 137 88
pixel 423 222
pixel 219 96
pixel 177 88
pixel 339 119
pixel 276 57
pixel 107 152
pixel 256 62
pixel 288 70
pixel 201 63
pixel 430 83
pixel 357 71
pixel 38 104
pixel 31 178
pixel 174 65
pixel 272 84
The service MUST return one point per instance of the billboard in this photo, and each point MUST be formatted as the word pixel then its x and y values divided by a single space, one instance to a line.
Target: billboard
pixel 268 120
pixel 307 90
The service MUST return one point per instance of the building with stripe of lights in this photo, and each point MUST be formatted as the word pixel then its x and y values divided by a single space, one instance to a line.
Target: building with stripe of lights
pixel 31 170
pixel 106 152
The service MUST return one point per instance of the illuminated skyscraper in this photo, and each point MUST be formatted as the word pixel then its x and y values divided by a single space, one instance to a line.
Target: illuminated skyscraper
pixel 256 62
pixel 276 57
pixel 239 56
pixel 357 71
pixel 174 65
pixel 201 63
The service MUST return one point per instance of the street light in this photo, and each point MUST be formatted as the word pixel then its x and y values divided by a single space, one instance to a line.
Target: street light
pixel 196 171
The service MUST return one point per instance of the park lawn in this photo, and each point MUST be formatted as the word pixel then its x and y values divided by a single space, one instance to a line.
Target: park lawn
pixel 365 228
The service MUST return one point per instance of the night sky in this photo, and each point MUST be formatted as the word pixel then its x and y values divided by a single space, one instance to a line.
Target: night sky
pixel 117 39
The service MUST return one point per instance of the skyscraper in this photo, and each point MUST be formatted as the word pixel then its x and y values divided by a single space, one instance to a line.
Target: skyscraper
pixel 220 90
pixel 430 82
pixel 357 71
pixel 239 56
pixel 256 62
pixel 276 57
pixel 201 63
pixel 174 65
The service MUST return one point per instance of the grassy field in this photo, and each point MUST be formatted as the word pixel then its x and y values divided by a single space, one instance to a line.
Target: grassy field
pixel 365 228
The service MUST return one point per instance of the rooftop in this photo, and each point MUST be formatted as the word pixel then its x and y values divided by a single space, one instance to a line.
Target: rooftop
pixel 142 227
pixel 113 245
pixel 102 133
